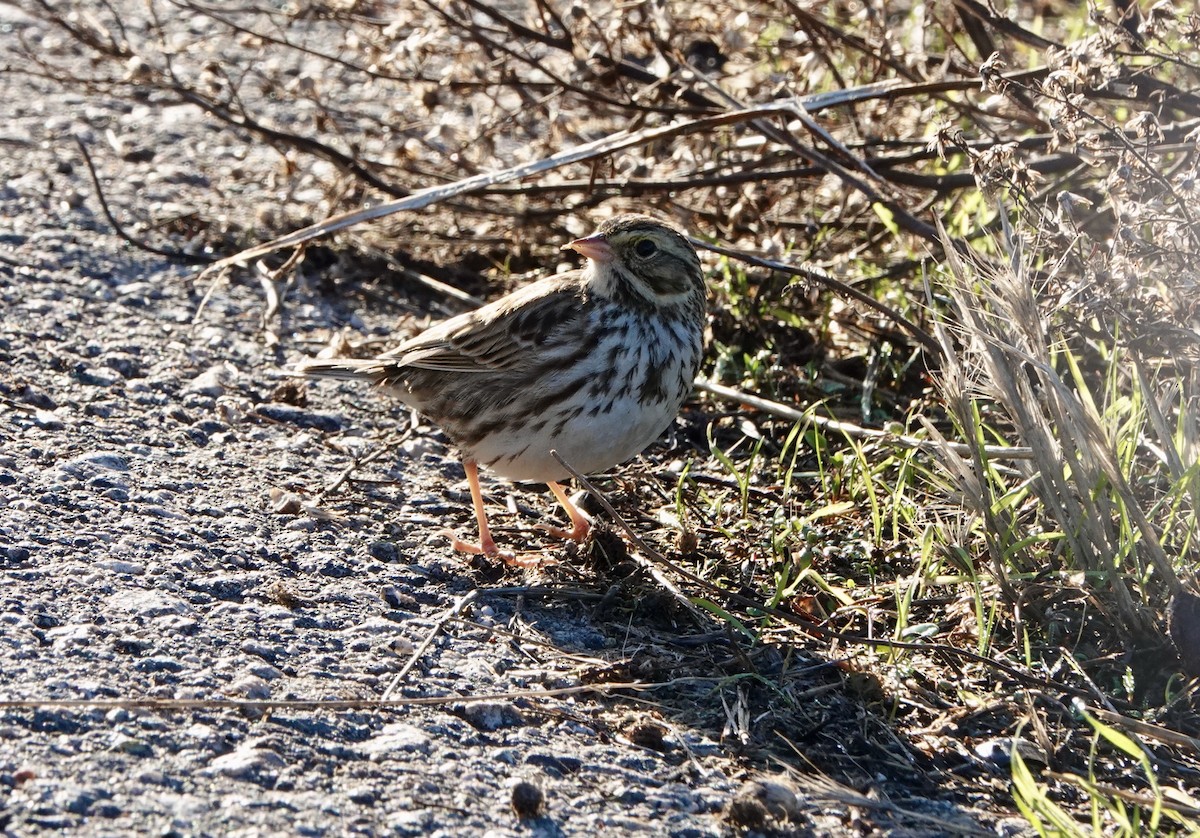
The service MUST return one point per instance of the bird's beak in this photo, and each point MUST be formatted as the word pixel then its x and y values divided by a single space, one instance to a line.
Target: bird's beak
pixel 594 247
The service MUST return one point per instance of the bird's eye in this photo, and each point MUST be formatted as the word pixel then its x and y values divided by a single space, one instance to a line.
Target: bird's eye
pixel 645 248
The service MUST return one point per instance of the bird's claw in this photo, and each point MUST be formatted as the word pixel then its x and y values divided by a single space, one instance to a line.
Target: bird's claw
pixel 488 549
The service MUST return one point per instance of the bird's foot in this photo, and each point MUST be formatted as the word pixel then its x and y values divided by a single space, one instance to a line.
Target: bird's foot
pixel 485 547
pixel 578 532
pixel 488 549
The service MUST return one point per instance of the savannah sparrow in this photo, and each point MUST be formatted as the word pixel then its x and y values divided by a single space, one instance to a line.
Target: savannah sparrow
pixel 592 363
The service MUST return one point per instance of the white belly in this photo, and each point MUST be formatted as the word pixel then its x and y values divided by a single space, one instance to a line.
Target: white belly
pixel 588 443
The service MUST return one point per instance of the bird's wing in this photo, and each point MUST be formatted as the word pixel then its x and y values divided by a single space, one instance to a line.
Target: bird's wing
pixel 505 335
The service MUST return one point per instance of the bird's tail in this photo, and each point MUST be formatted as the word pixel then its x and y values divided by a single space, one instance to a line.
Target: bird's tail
pixel 346 369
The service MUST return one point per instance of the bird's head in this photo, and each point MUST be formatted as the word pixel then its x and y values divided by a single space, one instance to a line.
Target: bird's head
pixel 645 260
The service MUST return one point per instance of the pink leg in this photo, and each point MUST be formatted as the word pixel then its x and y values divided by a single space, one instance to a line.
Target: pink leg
pixel 486 545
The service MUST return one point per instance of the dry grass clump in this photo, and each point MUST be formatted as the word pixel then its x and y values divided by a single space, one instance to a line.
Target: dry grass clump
pixel 1077 337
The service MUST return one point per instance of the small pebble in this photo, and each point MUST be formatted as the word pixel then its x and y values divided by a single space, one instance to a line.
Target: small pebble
pixel 300 417
pixel 527 800
pixel 492 715
pixel 211 382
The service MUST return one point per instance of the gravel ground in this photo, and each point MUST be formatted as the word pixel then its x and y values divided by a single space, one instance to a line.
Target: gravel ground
pixel 156 541
pixel 141 558
pixel 162 537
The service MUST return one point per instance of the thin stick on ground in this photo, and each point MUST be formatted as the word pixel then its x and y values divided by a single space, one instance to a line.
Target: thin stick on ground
pixel 174 255
pixel 163 705
pixel 783 411
pixel 446 616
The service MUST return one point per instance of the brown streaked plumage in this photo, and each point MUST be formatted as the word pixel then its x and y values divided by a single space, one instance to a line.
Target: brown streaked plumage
pixel 593 363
